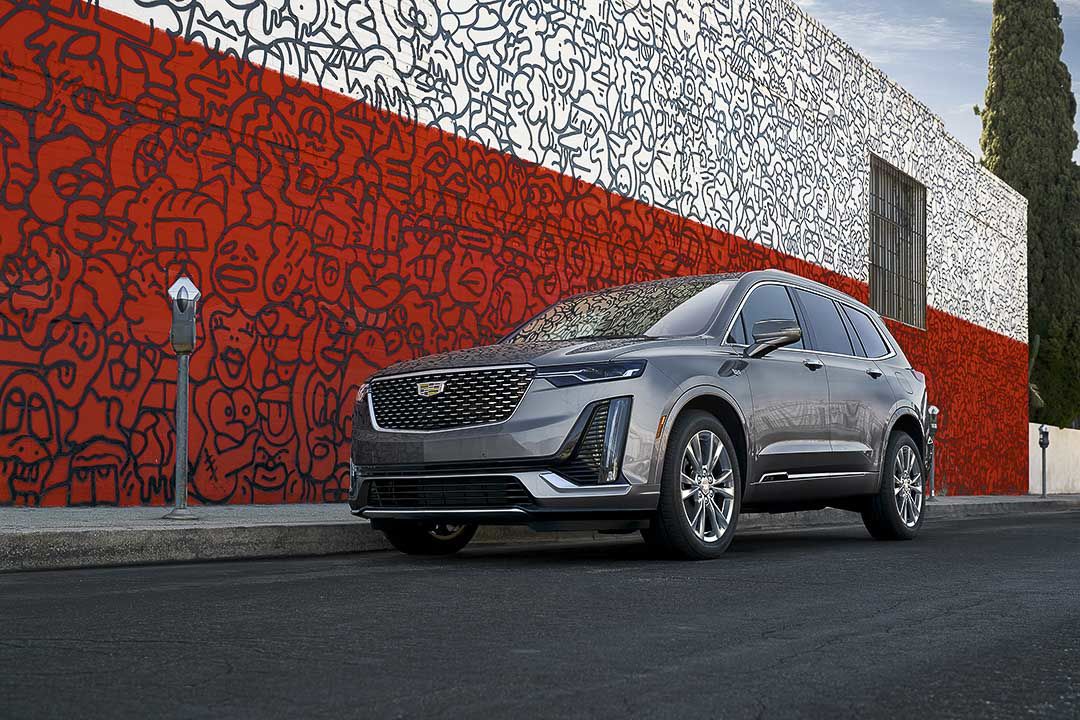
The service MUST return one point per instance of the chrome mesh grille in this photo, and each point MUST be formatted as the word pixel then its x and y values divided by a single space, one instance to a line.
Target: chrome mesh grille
pixel 468 397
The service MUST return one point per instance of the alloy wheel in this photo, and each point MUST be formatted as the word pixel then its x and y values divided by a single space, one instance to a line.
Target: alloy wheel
pixel 707 486
pixel 907 486
pixel 446 531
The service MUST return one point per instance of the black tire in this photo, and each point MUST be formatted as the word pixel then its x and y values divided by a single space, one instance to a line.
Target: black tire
pixel 428 538
pixel 882 516
pixel 671 531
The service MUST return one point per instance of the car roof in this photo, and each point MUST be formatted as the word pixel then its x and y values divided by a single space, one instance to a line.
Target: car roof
pixel 756 276
pixel 747 279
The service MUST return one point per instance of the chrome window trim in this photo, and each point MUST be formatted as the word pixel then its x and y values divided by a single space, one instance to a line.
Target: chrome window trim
pixel 884 338
pixel 781 283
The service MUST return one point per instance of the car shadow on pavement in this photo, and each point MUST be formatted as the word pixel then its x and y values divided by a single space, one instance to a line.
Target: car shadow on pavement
pixel 630 549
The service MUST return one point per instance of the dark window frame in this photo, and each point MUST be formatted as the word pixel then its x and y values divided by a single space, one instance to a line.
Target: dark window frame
pixel 729 339
pixel 843 306
pixel 898 208
pixel 815 340
pixel 886 343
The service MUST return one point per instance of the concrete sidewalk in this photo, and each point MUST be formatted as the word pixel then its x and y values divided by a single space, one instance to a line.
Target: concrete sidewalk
pixel 54 538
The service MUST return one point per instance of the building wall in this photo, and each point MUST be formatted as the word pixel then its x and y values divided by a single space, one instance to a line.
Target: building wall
pixel 354 183
pixel 1062 461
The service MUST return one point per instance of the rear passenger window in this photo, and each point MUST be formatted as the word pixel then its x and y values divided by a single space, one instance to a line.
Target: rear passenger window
pixel 825 323
pixel 766 302
pixel 868 333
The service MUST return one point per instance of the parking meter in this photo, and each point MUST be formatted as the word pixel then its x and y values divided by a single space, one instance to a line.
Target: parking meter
pixel 183 298
pixel 1044 442
pixel 933 415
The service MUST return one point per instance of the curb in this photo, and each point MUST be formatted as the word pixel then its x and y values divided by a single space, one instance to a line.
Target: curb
pixel 110 547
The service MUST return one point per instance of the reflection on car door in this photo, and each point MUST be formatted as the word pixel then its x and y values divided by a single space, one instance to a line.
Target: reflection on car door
pixel 789 392
pixel 859 395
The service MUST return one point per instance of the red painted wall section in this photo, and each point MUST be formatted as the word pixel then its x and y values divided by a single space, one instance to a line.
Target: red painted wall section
pixel 329 240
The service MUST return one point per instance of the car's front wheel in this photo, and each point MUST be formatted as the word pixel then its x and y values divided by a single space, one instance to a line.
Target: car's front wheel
pixel 896 512
pixel 700 492
pixel 427 538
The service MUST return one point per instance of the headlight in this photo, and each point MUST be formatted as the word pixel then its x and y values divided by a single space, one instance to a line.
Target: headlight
pixel 362 392
pixel 567 375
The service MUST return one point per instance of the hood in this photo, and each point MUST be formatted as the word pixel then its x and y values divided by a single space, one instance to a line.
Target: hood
pixel 540 354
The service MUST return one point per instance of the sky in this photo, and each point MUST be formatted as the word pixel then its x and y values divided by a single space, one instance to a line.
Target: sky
pixel 937 49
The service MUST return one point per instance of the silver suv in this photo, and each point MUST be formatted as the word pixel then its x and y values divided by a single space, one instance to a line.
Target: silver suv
pixel 665 407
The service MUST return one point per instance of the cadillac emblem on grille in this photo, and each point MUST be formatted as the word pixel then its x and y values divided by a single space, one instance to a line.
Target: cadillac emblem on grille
pixel 430 389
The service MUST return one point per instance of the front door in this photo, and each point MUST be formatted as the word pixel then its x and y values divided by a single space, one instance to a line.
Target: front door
pixel 789 391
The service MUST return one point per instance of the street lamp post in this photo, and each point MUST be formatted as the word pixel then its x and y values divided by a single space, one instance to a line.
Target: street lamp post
pixel 183 297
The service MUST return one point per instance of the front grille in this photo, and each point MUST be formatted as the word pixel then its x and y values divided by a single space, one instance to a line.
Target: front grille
pixel 584 466
pixel 468 397
pixel 458 493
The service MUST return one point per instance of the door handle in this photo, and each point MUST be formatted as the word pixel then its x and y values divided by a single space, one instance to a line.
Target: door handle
pixel 874 373
pixel 813 364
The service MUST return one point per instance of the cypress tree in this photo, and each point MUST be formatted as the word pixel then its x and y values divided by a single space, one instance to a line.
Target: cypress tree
pixel 1028 141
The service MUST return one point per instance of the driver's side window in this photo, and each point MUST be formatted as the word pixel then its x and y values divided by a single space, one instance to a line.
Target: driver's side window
pixel 766 302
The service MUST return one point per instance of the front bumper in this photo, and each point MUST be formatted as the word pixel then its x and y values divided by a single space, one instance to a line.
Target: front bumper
pixel 438 473
pixel 545 497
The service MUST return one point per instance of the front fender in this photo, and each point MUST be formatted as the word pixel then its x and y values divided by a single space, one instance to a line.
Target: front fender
pixel 686 394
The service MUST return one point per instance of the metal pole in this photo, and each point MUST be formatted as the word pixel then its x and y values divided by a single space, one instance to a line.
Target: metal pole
pixel 181 509
pixel 184 296
pixel 1044 472
pixel 933 464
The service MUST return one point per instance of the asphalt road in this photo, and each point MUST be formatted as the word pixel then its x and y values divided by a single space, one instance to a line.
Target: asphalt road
pixel 979 618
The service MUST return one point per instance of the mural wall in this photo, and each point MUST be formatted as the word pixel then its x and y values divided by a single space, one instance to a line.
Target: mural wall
pixel 353 182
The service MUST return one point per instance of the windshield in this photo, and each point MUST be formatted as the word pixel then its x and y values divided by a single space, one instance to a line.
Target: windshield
pixel 665 308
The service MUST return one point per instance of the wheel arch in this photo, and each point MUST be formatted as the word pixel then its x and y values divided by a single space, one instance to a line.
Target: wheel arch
pixel 724 408
pixel 907 421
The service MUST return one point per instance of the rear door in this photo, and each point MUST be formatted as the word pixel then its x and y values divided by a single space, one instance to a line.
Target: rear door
pixel 789 391
pixel 859 394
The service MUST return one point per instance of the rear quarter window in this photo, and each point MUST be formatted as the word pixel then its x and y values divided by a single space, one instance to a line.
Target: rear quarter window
pixel 868 333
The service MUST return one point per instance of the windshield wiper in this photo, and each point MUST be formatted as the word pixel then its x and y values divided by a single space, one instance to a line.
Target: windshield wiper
pixel 611 337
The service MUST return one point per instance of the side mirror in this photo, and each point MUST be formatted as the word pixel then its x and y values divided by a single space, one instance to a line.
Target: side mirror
pixel 771 335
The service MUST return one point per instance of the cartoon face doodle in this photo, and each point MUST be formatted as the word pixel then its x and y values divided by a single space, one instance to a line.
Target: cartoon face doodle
pixel 289 264
pixel 29 438
pixel 72 359
pixel 271 474
pixel 239 260
pixel 97 472
pixel 232 338
pixel 232 417
pixel 334 341
pixel 276 422
pixel 282 332
pixel 152 453
pixel 324 440
pixel 35 284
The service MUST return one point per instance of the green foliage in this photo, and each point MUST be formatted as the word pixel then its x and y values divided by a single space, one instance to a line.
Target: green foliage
pixel 1028 141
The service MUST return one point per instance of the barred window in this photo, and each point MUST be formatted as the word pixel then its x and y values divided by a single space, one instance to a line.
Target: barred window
pixel 897 244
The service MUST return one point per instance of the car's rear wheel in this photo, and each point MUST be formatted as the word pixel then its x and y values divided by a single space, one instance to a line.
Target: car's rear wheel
pixel 428 538
pixel 896 512
pixel 700 492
